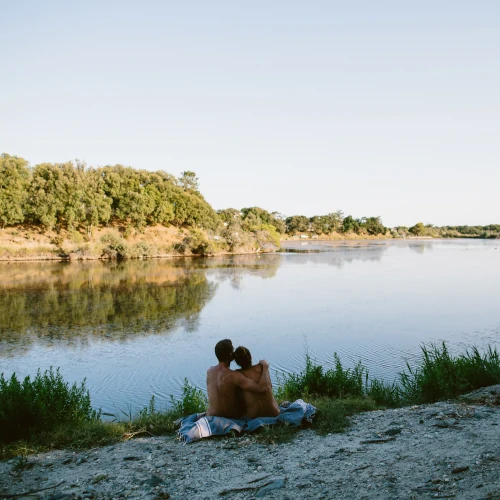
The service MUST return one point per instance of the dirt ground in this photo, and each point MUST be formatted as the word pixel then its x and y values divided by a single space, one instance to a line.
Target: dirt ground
pixel 443 450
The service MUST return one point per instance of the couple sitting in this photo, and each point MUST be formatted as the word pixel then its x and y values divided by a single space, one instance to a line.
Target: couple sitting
pixel 238 393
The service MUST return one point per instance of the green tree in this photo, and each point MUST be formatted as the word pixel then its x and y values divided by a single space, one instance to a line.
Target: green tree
pixel 96 206
pixel 297 224
pixel 374 226
pixel 55 194
pixel 418 229
pixel 256 216
pixel 132 202
pixel 14 181
pixel 229 215
pixel 349 224
pixel 189 181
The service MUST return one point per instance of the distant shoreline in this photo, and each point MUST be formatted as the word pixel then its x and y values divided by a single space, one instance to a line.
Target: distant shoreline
pixel 51 253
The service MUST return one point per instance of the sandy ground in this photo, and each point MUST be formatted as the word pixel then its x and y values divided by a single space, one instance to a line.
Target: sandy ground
pixel 444 450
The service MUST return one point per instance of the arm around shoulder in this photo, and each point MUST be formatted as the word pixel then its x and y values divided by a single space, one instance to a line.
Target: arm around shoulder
pixel 247 384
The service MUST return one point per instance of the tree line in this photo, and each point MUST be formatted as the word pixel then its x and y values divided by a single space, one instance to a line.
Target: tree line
pixel 72 195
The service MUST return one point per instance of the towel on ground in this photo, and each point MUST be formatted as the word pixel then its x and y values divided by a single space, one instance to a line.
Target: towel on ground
pixel 198 425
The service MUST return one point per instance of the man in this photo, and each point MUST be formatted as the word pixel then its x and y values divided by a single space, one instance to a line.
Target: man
pixel 260 404
pixel 225 386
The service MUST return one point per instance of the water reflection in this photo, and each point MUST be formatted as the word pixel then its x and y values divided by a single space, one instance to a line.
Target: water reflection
pixel 336 254
pixel 58 303
pixel 138 328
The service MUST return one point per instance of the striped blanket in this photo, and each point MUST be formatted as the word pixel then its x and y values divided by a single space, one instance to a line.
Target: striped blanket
pixel 198 425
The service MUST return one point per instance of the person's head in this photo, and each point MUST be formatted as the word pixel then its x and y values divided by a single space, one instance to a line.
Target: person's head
pixel 224 351
pixel 243 357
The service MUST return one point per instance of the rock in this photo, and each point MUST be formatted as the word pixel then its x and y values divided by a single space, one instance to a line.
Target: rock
pixel 160 464
pixel 67 461
pixel 275 485
pixel 131 457
pixel 393 431
pixel 81 461
pixel 154 481
pixel 100 477
pixel 162 495
pixel 457 470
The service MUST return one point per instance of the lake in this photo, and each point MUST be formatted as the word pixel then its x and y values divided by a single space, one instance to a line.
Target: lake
pixel 138 328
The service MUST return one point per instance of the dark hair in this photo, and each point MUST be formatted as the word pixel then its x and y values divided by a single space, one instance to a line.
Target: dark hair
pixel 224 350
pixel 243 357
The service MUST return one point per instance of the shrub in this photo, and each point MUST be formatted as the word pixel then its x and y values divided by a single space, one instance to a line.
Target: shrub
pixel 40 404
pixel 336 382
pixel 141 250
pixel 442 376
pixel 193 401
pixel 115 248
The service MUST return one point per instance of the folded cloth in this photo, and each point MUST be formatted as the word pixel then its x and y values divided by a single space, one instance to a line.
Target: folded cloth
pixel 198 425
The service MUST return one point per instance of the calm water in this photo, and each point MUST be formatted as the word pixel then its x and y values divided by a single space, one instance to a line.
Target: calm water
pixel 134 329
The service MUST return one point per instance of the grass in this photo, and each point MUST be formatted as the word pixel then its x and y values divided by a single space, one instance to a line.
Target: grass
pixel 46 412
pixel 37 405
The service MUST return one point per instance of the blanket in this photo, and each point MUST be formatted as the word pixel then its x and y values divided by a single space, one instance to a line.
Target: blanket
pixel 198 425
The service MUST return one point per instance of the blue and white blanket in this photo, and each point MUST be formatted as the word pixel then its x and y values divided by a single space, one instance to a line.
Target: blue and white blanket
pixel 198 425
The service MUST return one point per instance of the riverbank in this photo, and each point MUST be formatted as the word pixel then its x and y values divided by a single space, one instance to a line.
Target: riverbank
pixel 25 243
pixel 441 450
pixel 21 243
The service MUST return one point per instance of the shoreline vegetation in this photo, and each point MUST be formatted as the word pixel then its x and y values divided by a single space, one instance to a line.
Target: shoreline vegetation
pixel 69 211
pixel 45 412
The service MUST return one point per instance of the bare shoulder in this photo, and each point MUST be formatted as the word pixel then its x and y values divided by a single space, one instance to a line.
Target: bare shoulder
pixel 257 368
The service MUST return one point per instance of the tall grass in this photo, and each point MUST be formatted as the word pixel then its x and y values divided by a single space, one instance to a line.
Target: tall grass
pixel 47 412
pixel 438 375
pixel 37 405
pixel 337 382
pixel 441 375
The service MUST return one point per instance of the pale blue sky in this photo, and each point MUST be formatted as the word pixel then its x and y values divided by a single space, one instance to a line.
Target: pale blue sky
pixel 376 108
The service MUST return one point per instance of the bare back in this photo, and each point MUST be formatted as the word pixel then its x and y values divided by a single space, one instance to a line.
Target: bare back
pixel 263 404
pixel 224 396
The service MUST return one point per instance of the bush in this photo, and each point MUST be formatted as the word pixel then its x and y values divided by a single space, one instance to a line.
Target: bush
pixel 336 382
pixel 115 248
pixel 193 401
pixel 39 405
pixel 438 376
pixel 141 250
pixel 442 376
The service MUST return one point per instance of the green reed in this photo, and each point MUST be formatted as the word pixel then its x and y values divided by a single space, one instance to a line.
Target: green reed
pixel 437 375
pixel 37 405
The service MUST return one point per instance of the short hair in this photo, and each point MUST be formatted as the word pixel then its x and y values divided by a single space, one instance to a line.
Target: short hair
pixel 224 350
pixel 243 357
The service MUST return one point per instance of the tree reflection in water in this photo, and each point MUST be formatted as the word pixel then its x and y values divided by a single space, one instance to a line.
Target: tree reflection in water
pixel 117 301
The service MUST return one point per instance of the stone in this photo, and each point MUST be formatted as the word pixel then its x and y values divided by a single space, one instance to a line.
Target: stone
pixel 457 470
pixel 99 477
pixel 81 461
pixel 275 485
pixel 154 481
pixel 131 457
pixel 393 431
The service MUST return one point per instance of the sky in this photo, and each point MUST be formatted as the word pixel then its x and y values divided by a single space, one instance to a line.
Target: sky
pixel 383 108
